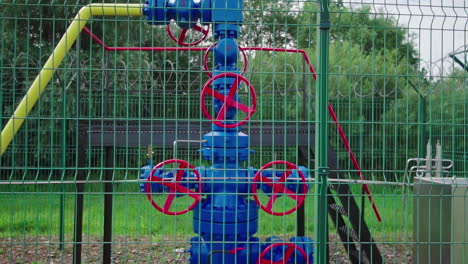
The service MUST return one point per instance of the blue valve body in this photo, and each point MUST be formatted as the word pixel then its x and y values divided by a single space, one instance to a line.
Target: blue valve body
pixel 226 15
pixel 225 220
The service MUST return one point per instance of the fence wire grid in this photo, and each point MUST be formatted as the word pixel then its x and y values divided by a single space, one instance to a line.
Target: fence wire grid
pixel 296 131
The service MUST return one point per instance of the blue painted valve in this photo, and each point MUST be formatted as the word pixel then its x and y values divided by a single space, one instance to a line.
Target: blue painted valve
pixel 224 216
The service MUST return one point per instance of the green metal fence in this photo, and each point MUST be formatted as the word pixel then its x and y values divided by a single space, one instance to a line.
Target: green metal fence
pixel 394 73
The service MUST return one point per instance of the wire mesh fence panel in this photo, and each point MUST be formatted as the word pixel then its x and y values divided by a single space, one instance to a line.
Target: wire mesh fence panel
pixel 230 131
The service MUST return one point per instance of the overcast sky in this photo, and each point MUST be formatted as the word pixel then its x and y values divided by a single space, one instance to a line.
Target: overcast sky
pixel 441 27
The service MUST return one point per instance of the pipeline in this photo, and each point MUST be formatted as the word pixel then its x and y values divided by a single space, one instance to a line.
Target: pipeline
pixel 66 42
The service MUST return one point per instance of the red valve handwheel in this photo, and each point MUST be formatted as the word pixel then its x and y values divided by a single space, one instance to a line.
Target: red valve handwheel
pixel 290 247
pixel 183 34
pixel 174 186
pixel 205 60
pixel 279 187
pixel 228 100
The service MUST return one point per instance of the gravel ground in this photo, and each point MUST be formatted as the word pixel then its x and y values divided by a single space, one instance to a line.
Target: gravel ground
pixel 41 250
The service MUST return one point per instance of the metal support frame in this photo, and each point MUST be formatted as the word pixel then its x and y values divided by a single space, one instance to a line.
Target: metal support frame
pixel 91 135
pixel 358 232
pixel 94 134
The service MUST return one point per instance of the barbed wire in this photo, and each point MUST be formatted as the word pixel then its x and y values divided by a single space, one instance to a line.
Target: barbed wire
pixel 157 76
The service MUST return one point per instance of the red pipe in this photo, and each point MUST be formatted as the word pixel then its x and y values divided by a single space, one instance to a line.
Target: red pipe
pixel 304 54
pixel 353 159
pixel 95 38
pixel 102 44
pixel 311 68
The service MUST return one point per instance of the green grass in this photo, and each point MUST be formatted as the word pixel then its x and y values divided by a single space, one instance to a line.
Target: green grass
pixel 34 211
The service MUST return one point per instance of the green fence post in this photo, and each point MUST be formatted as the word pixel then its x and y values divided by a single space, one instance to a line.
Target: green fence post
pixel 62 218
pixel 422 132
pixel 422 117
pixel 457 60
pixel 321 140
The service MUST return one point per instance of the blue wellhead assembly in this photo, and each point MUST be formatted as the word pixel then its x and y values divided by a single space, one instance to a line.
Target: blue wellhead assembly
pixel 224 216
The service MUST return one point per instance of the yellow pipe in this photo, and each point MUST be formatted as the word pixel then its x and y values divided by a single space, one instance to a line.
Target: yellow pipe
pixel 62 48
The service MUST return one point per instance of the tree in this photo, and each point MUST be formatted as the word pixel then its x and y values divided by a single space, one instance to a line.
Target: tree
pixel 371 57
pixel 372 32
pixel 270 23
pixel 446 121
pixel 90 82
